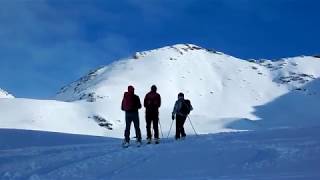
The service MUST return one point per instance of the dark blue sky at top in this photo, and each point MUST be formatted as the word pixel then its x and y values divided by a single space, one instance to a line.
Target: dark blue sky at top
pixel 46 44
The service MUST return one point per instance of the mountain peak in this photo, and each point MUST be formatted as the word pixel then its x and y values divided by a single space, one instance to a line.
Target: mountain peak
pixel 187 46
pixel 180 49
pixel 5 94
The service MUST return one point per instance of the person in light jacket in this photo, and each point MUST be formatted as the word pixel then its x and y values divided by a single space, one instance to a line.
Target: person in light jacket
pixel 180 112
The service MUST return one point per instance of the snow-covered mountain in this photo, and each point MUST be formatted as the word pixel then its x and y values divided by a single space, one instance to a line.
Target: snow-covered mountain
pixel 5 94
pixel 227 93
pixel 221 87
pixel 190 68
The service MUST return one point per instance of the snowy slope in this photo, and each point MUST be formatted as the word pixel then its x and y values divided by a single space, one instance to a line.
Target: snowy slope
pixel 50 115
pixel 271 154
pixel 227 93
pixel 5 94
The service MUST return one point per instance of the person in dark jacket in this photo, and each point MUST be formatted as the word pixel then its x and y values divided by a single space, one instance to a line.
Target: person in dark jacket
pixel 152 102
pixel 181 111
pixel 131 104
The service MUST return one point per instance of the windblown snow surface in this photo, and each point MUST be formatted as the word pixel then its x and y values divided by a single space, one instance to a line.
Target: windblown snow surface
pixel 257 119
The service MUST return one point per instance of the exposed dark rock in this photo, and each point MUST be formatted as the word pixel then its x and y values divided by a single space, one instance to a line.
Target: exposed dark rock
pixel 102 122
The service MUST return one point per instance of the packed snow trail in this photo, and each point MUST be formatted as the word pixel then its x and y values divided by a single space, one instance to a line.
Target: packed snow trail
pixel 269 154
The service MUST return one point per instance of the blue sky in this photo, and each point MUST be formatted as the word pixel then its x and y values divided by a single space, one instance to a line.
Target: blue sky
pixel 46 44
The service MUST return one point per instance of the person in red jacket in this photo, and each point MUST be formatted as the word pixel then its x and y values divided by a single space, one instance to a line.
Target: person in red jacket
pixel 152 102
pixel 131 104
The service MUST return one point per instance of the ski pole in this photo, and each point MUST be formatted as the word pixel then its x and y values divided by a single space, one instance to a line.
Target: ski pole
pixel 161 129
pixel 151 127
pixel 170 129
pixel 192 126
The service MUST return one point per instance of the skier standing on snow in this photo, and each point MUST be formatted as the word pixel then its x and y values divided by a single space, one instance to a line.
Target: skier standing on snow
pixel 181 111
pixel 131 104
pixel 152 102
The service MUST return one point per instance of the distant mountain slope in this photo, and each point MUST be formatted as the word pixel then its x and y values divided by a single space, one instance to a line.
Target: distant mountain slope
pixel 5 94
pixel 49 115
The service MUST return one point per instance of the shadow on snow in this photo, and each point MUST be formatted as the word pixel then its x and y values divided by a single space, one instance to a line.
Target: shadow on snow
pixel 296 109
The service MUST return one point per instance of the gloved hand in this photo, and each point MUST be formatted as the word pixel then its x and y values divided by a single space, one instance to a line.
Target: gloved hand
pixel 172 117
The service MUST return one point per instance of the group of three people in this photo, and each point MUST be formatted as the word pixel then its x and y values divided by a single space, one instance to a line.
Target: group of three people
pixel 152 102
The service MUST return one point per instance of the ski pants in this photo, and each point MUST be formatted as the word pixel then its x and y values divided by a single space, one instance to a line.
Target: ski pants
pixel 132 117
pixel 152 117
pixel 180 120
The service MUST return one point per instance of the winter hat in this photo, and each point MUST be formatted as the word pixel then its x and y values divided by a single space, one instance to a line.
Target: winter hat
pixel 154 88
pixel 180 95
pixel 130 89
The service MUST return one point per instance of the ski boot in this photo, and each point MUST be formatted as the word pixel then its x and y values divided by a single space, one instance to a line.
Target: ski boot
pixel 125 144
pixel 139 143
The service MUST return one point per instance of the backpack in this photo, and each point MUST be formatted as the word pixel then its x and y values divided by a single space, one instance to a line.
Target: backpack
pixel 185 107
pixel 152 101
pixel 128 102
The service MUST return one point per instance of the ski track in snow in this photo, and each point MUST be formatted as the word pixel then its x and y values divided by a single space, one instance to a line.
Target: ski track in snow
pixel 44 162
pixel 272 154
